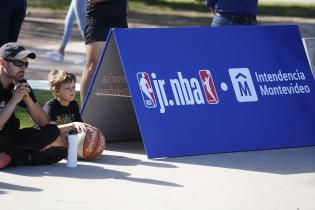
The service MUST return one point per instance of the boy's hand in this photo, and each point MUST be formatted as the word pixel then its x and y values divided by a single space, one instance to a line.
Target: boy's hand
pixel 81 127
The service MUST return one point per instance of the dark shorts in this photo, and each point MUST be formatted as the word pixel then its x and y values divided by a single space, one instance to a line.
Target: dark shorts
pixel 23 141
pixel 103 16
pixel 12 13
pixel 35 138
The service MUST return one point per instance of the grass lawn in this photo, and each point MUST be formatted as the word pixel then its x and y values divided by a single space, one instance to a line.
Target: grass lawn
pixel 265 7
pixel 42 96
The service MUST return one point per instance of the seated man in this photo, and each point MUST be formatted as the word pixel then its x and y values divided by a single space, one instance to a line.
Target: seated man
pixel 27 146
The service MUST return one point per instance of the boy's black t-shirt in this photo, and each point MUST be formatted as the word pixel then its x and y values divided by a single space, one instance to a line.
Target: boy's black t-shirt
pixel 13 123
pixel 62 114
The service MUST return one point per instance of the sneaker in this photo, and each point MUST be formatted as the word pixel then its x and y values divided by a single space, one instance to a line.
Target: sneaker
pixel 48 156
pixel 55 55
pixel 82 61
pixel 5 160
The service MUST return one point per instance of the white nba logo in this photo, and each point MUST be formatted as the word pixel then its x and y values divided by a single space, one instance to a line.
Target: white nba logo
pixel 243 85
pixel 146 90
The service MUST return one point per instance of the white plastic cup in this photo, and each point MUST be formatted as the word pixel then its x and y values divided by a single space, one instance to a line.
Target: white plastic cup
pixel 72 157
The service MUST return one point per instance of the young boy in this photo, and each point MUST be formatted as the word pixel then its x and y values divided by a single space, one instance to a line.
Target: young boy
pixel 63 109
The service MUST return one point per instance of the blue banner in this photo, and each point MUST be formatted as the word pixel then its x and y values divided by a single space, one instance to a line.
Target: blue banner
pixel 221 89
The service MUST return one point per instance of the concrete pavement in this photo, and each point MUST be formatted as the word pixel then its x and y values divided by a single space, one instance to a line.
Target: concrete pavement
pixel 123 178
pixel 42 65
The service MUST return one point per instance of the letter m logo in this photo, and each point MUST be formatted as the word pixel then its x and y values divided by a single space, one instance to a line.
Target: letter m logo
pixel 244 89
pixel 243 85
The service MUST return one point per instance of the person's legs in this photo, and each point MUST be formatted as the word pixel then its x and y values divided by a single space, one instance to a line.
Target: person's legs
pixel 59 142
pixel 68 27
pixel 25 147
pixel 221 21
pixel 48 156
pixel 80 13
pixel 17 155
pixel 5 11
pixel 16 21
pixel 93 53
pixel 98 24
pixel 35 139
pixel 5 160
pixel 69 20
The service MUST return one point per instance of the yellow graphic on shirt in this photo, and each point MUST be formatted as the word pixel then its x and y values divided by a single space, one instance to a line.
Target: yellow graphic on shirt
pixel 64 119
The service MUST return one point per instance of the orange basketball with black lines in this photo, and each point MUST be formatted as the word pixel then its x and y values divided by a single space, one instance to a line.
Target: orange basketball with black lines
pixel 91 143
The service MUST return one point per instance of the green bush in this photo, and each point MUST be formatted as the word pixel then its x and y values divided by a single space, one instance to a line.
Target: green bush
pixel 51 4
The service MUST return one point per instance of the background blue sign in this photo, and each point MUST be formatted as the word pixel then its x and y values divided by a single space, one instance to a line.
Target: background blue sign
pixel 205 90
pixel 224 89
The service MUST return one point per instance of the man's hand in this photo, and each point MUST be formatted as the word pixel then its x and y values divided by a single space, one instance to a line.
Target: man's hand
pixel 20 92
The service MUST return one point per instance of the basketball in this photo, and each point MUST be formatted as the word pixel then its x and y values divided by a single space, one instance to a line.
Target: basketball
pixel 91 143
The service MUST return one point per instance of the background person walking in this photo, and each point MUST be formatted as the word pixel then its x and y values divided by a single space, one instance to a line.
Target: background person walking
pixel 76 11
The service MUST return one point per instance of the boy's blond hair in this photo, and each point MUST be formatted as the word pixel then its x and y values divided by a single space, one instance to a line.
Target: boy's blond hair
pixel 58 77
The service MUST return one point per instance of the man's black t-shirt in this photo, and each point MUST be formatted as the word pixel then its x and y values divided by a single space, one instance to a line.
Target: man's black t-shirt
pixel 62 114
pixel 13 123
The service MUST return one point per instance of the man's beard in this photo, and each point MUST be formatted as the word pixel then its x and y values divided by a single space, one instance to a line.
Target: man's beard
pixel 19 77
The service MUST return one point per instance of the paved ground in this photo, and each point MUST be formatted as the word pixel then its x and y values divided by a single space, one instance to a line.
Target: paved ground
pixel 123 178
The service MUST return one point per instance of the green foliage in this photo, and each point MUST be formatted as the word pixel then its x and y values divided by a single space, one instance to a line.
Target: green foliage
pixel 188 5
pixel 264 8
pixel 42 97
pixel 50 4
pixel 285 9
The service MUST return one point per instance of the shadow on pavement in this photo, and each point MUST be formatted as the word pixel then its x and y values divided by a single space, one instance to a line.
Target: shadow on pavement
pixel 134 147
pixel 84 171
pixel 277 161
pixel 127 161
pixel 8 186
